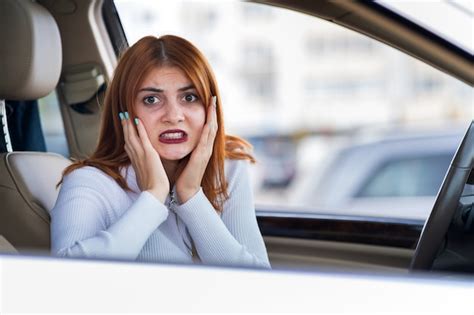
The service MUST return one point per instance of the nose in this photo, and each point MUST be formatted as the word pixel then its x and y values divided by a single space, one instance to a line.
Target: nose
pixel 173 113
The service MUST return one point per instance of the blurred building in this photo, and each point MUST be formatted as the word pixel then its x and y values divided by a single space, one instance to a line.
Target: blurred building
pixel 329 77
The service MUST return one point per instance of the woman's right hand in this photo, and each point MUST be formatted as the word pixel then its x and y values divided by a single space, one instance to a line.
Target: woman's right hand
pixel 151 175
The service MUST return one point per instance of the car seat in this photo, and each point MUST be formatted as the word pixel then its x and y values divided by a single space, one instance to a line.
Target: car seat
pixel 30 66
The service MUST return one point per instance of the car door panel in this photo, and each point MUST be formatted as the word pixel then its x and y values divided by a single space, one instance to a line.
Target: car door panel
pixel 285 252
pixel 307 240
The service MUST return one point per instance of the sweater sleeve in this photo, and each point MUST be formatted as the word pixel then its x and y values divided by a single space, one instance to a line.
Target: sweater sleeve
pixel 234 238
pixel 81 227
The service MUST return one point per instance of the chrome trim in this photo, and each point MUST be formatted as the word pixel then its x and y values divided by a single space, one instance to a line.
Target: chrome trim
pixel 335 217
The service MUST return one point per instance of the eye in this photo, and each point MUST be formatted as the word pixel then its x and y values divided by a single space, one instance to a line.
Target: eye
pixel 150 100
pixel 190 98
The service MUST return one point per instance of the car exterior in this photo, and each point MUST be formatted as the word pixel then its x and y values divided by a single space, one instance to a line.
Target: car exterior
pixel 111 287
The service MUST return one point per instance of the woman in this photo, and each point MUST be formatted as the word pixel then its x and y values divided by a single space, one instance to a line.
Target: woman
pixel 165 183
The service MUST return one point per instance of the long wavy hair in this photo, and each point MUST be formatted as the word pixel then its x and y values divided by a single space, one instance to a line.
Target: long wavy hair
pixel 133 66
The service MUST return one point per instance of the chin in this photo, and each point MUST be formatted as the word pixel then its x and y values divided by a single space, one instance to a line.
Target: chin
pixel 173 152
pixel 173 156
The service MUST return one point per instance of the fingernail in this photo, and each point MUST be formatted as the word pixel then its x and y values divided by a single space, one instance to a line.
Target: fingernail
pixel 214 101
pixel 126 115
pixel 121 116
pixel 136 121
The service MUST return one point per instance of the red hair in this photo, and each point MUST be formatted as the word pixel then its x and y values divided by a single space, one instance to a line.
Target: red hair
pixel 133 66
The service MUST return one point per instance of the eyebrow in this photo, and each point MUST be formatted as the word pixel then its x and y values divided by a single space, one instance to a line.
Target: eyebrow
pixel 152 89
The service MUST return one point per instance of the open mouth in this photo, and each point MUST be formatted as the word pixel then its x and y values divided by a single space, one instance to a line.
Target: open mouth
pixel 173 136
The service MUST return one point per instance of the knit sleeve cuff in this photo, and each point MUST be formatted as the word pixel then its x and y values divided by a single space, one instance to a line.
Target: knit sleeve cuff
pixel 151 207
pixel 196 209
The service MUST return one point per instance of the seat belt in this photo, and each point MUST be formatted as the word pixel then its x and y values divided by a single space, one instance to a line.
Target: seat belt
pixel 6 133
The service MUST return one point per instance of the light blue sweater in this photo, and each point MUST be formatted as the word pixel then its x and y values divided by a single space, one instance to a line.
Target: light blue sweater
pixel 94 217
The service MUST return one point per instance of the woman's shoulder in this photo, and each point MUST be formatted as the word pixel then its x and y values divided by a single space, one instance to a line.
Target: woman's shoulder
pixel 88 176
pixel 87 171
pixel 236 170
pixel 233 166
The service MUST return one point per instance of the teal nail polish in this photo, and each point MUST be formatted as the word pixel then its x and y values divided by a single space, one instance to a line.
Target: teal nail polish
pixel 136 121
pixel 126 115
pixel 121 116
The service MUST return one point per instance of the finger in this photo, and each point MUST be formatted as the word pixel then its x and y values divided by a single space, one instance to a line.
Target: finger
pixel 125 129
pixel 142 133
pixel 131 155
pixel 206 141
pixel 212 120
pixel 211 110
pixel 132 136
pixel 137 161
pixel 129 152
pixel 124 126
pixel 136 166
pixel 204 136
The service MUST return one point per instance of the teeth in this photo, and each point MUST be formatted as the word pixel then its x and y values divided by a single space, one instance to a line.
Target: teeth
pixel 174 135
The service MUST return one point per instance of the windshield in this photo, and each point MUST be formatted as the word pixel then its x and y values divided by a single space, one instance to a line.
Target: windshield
pixel 452 20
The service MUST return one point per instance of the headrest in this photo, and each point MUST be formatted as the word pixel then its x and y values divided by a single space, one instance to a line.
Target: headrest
pixel 30 50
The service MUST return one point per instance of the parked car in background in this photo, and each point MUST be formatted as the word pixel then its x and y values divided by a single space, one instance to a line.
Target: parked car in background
pixel 394 174
pixel 277 156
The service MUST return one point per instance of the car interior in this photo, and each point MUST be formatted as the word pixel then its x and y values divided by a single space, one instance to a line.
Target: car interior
pixel 70 48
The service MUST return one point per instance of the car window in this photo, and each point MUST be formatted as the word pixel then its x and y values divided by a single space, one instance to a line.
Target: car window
pixel 52 124
pixel 407 177
pixel 301 88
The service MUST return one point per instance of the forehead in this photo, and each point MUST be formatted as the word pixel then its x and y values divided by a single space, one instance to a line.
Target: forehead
pixel 166 76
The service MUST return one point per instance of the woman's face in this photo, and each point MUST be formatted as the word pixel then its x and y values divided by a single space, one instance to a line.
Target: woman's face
pixel 173 115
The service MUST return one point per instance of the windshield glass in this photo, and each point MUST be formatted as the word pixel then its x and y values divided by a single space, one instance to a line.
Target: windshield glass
pixel 452 20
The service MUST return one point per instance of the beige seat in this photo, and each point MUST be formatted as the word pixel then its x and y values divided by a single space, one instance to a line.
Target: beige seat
pixel 28 191
pixel 6 247
pixel 30 66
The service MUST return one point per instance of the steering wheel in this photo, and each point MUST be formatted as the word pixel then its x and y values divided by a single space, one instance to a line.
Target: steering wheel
pixel 437 225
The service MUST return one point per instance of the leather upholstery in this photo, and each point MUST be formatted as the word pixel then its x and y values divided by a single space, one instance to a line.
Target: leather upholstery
pixel 36 174
pixel 30 65
pixel 30 50
pixel 5 246
pixel 28 191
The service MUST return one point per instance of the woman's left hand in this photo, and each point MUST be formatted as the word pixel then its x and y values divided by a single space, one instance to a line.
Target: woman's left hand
pixel 189 182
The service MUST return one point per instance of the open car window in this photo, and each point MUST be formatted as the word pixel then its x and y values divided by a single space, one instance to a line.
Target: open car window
pixel 324 106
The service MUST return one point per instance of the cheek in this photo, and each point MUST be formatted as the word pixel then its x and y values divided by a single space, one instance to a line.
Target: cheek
pixel 148 127
pixel 199 118
pixel 147 117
